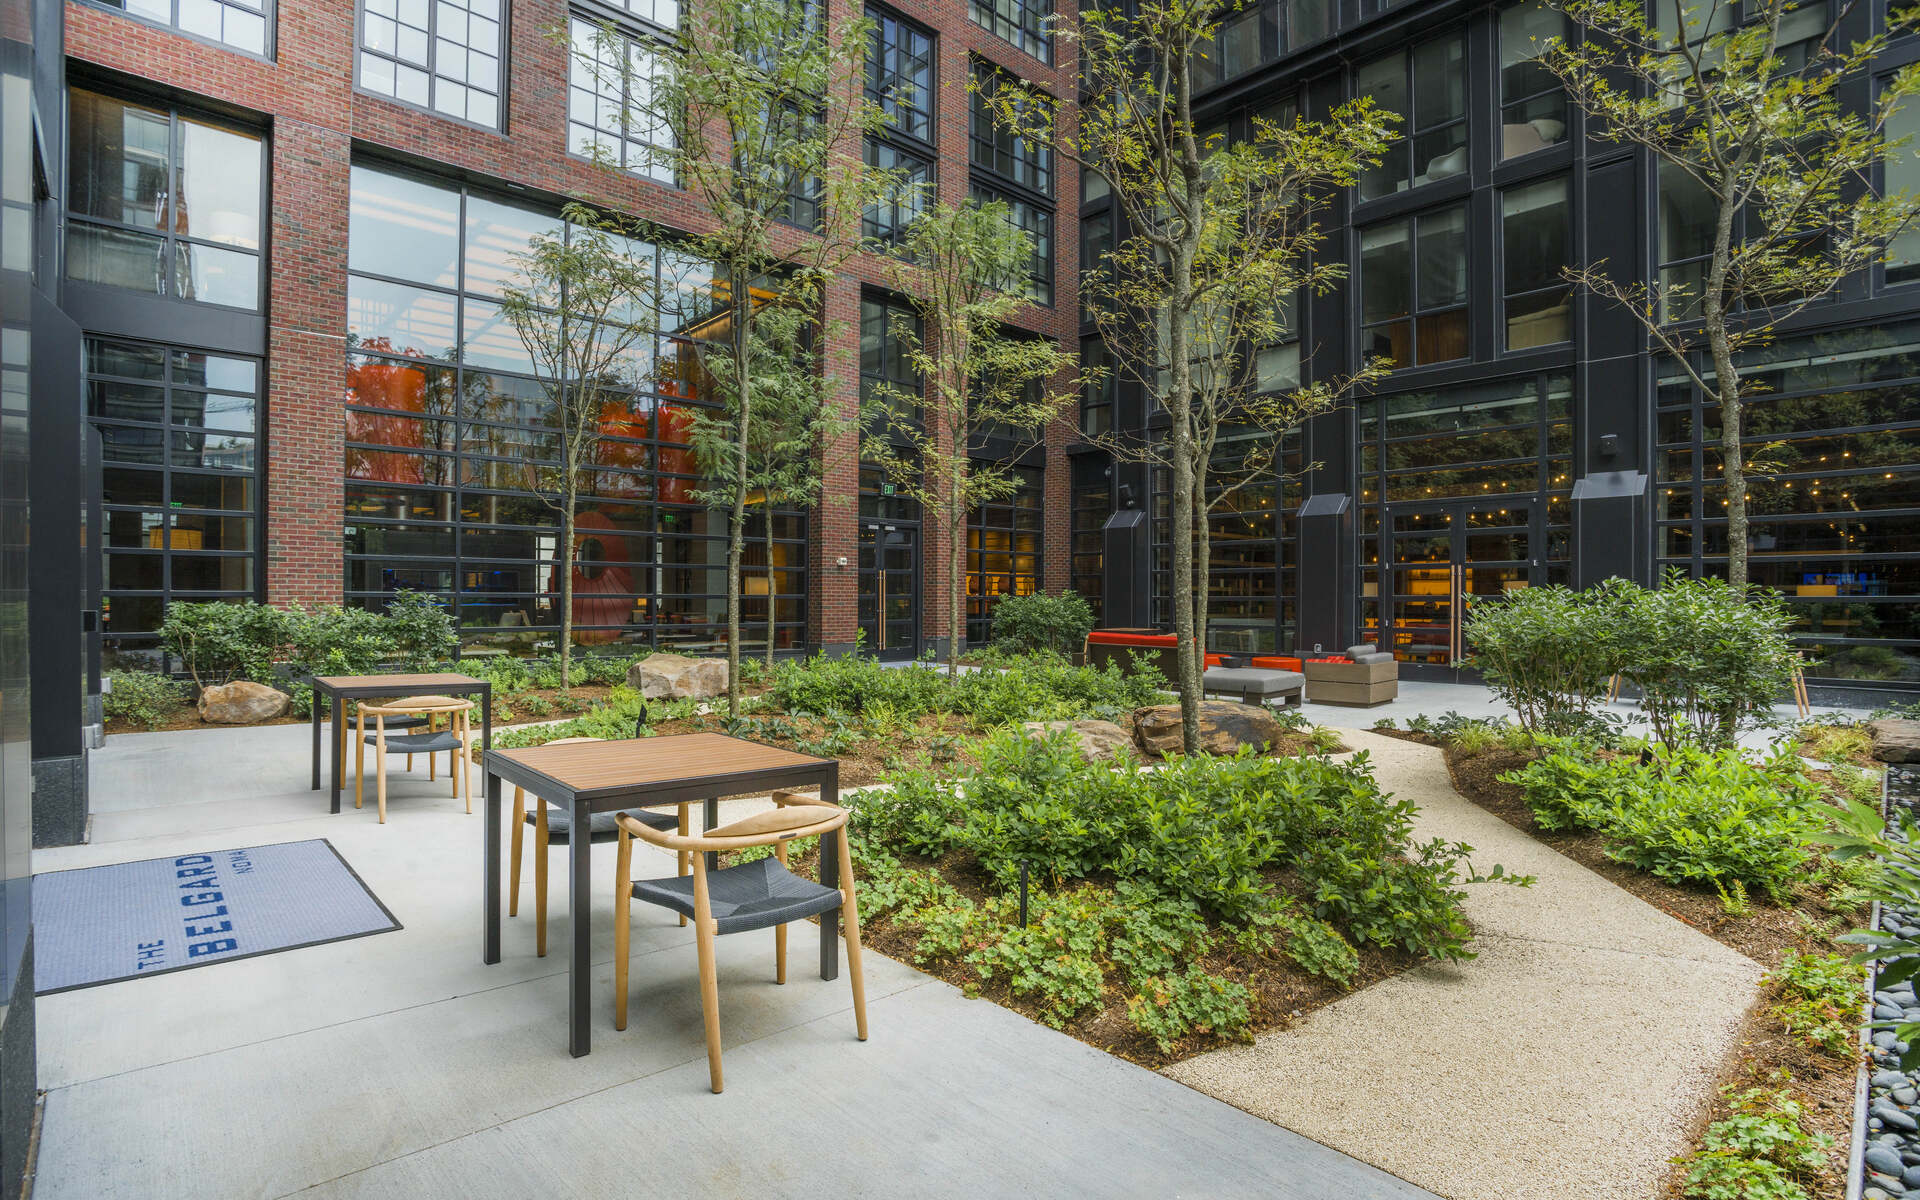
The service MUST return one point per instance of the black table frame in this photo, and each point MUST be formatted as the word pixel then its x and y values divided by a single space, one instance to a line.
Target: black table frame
pixel 823 774
pixel 336 703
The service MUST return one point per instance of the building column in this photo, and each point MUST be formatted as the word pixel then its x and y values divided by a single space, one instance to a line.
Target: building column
pixel 833 549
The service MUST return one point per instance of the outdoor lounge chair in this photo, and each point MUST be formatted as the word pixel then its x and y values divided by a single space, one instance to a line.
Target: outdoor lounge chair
pixel 738 899
pixel 553 825
pixel 454 740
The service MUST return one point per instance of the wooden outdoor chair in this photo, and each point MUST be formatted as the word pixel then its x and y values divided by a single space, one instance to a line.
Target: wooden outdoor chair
pixel 455 740
pixel 738 899
pixel 555 826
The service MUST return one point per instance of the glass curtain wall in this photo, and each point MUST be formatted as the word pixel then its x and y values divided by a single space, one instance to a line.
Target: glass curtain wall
pixel 452 445
pixel 1003 550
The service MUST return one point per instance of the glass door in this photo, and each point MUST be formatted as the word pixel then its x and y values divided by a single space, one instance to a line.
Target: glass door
pixel 1439 559
pixel 890 589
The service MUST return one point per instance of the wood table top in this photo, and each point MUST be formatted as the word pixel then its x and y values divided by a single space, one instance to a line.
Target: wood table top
pixel 641 762
pixel 430 682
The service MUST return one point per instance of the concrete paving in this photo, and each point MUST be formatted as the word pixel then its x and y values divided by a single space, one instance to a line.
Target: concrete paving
pixel 1566 1060
pixel 399 1065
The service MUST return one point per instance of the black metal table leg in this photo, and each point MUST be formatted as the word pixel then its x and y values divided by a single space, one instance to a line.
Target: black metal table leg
pixel 486 716
pixel 316 739
pixel 830 877
pixel 490 880
pixel 579 916
pixel 711 816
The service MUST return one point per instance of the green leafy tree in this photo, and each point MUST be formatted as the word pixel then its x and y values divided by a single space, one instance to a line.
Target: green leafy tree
pixel 1756 123
pixel 584 302
pixel 959 267
pixel 758 112
pixel 1218 242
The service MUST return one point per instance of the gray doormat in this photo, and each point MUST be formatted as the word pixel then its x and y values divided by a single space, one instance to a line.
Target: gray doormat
pixel 125 920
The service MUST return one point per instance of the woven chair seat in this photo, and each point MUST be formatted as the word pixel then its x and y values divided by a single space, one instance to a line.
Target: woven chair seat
pixel 601 826
pixel 755 895
pixel 417 743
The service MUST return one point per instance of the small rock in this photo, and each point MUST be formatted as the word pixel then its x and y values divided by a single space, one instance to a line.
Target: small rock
pixel 1224 728
pixel 1874 1193
pixel 1887 1012
pixel 1884 1039
pixel 1904 1095
pixel 1888 1079
pixel 1893 1118
pixel 1896 740
pixel 1910 1175
pixel 677 677
pixel 1100 741
pixel 1884 1160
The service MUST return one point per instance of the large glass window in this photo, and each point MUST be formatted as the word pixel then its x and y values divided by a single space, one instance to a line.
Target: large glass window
pixel 1025 23
pixel 1831 522
pixel 610 114
pixel 1427 86
pixel 1903 174
pixel 1092 504
pixel 442 55
pixel 1533 106
pixel 163 203
pixel 451 445
pixel 1534 228
pixel 1259 34
pixel 1687 215
pixel 1096 243
pixel 1037 223
pixel 241 24
pixel 888 330
pixel 1024 161
pixel 180 480
pixel 908 194
pixel 900 69
pixel 1003 550
pixel 1099 384
pixel 1413 288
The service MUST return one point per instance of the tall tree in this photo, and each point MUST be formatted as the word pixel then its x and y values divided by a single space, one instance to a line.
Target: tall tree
pixel 797 434
pixel 758 113
pixel 585 306
pixel 960 267
pixel 1218 238
pixel 1764 121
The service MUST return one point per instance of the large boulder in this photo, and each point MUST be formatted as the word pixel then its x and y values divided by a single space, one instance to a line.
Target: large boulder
pixel 241 703
pixel 1896 740
pixel 677 677
pixel 1100 741
pixel 1224 728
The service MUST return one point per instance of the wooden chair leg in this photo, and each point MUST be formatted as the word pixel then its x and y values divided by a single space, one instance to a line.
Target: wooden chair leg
pixel 703 926
pixel 519 838
pixel 686 828
pixel 380 763
pixel 780 931
pixel 540 877
pixel 466 761
pixel 850 919
pixel 453 767
pixel 622 926
pixel 359 758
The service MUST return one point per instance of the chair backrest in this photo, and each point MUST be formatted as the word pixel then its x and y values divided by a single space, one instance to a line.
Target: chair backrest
pixel 417 706
pixel 760 829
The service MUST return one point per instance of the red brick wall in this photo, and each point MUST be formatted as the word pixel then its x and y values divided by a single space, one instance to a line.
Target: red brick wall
pixel 316 118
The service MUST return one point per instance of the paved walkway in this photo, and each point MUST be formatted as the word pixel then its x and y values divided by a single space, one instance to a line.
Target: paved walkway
pixel 397 1065
pixel 1565 1060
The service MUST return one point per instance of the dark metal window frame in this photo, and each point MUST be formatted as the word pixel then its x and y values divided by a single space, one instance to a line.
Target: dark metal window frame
pixel 268 12
pixel 1043 228
pixel 1407 132
pixel 1026 29
pixel 1508 298
pixel 168 508
pixel 1003 517
pixel 1003 155
pixel 633 32
pixel 1414 314
pixel 883 55
pixel 361 48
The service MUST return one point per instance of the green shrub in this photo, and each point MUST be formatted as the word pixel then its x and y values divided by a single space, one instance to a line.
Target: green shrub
pixel 1041 687
pixel 1024 624
pixel 1205 830
pixel 218 642
pixel 331 640
pixel 420 630
pixel 143 698
pixel 1550 652
pixel 1763 1150
pixel 1687 815
pixel 1709 661
pixel 1894 880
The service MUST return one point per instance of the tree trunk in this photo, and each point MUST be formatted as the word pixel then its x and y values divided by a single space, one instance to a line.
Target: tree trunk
pixel 956 554
pixel 567 497
pixel 1202 559
pixel 1179 402
pixel 1726 382
pixel 737 521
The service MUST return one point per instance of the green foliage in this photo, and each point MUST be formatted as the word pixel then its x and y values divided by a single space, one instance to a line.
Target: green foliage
pixel 420 629
pixel 1709 661
pixel 1040 687
pixel 1024 624
pixel 1762 1150
pixel 1315 946
pixel 1687 815
pixel 143 698
pixel 1167 1008
pixel 218 642
pixel 331 640
pixel 1820 1000
pixel 1893 880
pixel 1206 830
pixel 1549 652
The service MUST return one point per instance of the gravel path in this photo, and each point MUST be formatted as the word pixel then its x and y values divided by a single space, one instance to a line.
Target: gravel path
pixel 1567 1059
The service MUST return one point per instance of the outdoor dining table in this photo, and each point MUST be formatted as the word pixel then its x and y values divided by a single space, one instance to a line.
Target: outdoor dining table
pixel 589 777
pixel 338 689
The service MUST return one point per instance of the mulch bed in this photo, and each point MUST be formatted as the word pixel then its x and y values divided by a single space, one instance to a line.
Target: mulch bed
pixel 1765 934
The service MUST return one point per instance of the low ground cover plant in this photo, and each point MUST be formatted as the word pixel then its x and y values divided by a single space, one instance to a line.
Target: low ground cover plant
pixel 1705 818
pixel 142 698
pixel 1762 1150
pixel 1037 687
pixel 1819 1000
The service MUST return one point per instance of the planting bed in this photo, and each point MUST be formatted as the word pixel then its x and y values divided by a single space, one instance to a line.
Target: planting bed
pixel 1890 1158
